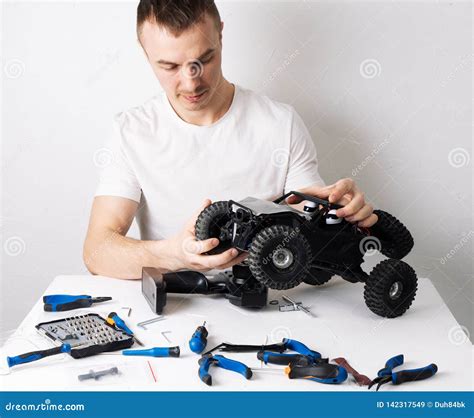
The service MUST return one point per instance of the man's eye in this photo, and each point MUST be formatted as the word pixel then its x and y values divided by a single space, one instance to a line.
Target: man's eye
pixel 207 60
pixel 171 68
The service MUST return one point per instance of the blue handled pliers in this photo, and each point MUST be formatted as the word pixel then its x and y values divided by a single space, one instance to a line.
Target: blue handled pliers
pixel 207 361
pixel 60 303
pixel 387 374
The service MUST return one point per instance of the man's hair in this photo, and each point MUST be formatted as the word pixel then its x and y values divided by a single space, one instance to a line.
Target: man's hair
pixel 176 15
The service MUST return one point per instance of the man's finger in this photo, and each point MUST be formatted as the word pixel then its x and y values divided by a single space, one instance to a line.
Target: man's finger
pixel 368 222
pixel 352 207
pixel 340 188
pixel 212 261
pixel 236 260
pixel 362 214
pixel 200 247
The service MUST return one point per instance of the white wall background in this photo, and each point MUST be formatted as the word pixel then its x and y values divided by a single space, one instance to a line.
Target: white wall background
pixel 382 85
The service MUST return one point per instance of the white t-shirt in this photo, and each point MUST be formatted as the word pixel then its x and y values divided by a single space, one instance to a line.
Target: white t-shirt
pixel 259 148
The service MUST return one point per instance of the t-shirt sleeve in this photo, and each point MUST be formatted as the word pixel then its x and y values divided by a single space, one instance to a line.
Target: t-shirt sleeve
pixel 303 162
pixel 117 177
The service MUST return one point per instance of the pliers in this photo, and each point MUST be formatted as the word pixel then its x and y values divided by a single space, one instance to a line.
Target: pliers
pixel 60 303
pixel 207 361
pixel 305 356
pixel 387 375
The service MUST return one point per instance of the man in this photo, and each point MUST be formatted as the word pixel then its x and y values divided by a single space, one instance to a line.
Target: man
pixel 202 138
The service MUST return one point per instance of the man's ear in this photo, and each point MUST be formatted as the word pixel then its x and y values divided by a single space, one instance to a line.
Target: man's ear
pixel 220 32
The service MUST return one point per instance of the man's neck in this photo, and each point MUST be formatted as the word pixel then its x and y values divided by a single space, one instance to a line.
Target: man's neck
pixel 218 106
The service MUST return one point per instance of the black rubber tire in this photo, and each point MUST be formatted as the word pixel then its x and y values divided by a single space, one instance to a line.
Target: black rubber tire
pixel 318 277
pixel 396 240
pixel 209 224
pixel 264 248
pixel 381 279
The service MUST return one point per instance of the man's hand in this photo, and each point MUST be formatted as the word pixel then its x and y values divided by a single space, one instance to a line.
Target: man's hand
pixel 346 193
pixel 188 253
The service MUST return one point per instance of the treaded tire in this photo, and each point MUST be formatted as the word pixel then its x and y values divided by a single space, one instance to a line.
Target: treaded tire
pixel 318 277
pixel 209 224
pixel 382 280
pixel 396 239
pixel 264 256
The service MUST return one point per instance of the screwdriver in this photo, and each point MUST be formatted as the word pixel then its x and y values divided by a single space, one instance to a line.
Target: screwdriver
pixel 154 352
pixel 114 320
pixel 198 341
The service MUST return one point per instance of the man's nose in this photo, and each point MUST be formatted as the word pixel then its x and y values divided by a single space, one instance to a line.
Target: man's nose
pixel 191 76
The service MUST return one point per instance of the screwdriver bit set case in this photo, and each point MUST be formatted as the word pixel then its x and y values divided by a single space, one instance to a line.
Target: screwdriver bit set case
pixel 88 335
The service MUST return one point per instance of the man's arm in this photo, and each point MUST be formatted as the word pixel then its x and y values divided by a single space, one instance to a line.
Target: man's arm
pixel 108 252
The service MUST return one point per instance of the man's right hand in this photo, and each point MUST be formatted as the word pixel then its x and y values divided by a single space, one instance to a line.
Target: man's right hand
pixel 187 253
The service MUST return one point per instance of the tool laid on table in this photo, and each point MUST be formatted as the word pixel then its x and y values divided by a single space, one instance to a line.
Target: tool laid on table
pixel 248 348
pixel 387 374
pixel 297 305
pixel 361 379
pixel 80 336
pixel 217 360
pixel 154 352
pixel 150 321
pixel 97 375
pixel 305 356
pixel 115 321
pixel 61 303
pixel 198 341
pixel 321 373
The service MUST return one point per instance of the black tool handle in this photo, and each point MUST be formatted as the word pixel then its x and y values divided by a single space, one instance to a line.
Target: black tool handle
pixel 414 374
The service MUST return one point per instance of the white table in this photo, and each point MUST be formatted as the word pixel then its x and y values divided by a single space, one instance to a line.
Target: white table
pixel 343 327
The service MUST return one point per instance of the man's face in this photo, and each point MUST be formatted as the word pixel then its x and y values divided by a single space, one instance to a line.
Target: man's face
pixel 188 67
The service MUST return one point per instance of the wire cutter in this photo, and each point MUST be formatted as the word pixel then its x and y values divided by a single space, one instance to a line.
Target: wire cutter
pixel 387 374
pixel 207 361
pixel 60 303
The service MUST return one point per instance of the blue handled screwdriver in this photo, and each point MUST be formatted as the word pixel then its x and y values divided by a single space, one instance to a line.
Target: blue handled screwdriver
pixel 198 341
pixel 154 352
pixel 114 320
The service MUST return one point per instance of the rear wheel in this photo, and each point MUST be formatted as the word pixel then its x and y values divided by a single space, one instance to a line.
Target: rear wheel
pixel 390 289
pixel 280 257
pixel 318 277
pixel 210 224
pixel 395 239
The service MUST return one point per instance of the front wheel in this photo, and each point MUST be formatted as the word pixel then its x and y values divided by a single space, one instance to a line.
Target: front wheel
pixel 210 224
pixel 280 257
pixel 390 288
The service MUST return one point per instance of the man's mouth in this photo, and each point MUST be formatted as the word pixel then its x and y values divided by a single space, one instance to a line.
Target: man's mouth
pixel 194 99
